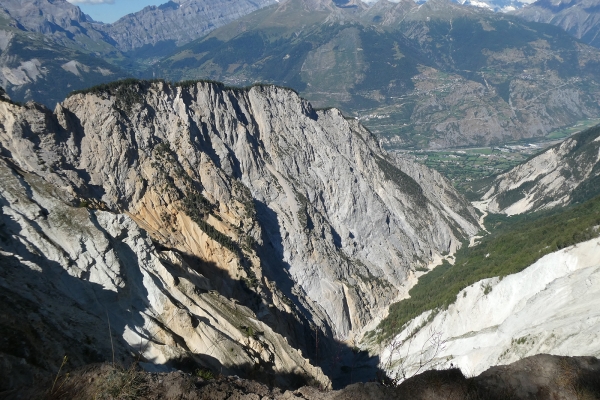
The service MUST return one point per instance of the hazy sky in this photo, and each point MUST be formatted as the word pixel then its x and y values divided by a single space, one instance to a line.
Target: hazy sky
pixel 112 10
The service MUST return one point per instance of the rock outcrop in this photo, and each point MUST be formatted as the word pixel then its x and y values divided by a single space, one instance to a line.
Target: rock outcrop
pixel 566 173
pixel 542 376
pixel 91 285
pixel 174 203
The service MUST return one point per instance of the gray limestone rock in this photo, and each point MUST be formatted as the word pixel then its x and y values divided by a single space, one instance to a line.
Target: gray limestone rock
pixel 187 196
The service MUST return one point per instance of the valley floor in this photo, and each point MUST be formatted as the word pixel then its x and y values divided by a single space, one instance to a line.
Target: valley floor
pixel 470 168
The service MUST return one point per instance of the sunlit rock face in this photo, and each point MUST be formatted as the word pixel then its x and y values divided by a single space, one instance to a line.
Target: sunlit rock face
pixel 221 226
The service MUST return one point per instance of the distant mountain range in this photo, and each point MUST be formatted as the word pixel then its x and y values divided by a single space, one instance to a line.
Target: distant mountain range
pixel 176 23
pixel 581 18
pixel 50 47
pixel 436 75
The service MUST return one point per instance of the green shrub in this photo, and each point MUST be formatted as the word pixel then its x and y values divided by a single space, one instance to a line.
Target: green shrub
pixel 204 373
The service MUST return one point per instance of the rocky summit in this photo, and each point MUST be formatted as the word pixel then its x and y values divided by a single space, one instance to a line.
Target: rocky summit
pixel 192 224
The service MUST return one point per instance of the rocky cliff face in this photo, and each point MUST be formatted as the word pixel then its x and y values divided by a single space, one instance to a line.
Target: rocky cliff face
pixel 92 285
pixel 565 173
pixel 172 201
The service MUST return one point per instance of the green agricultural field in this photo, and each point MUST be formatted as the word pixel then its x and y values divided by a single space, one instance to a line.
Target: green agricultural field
pixel 470 169
pixel 578 127
pixel 466 168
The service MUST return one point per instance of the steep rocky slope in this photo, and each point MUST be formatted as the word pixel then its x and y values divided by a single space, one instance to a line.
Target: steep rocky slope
pixel 91 285
pixel 581 18
pixel 152 196
pixel 435 75
pixel 566 173
pixel 550 307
